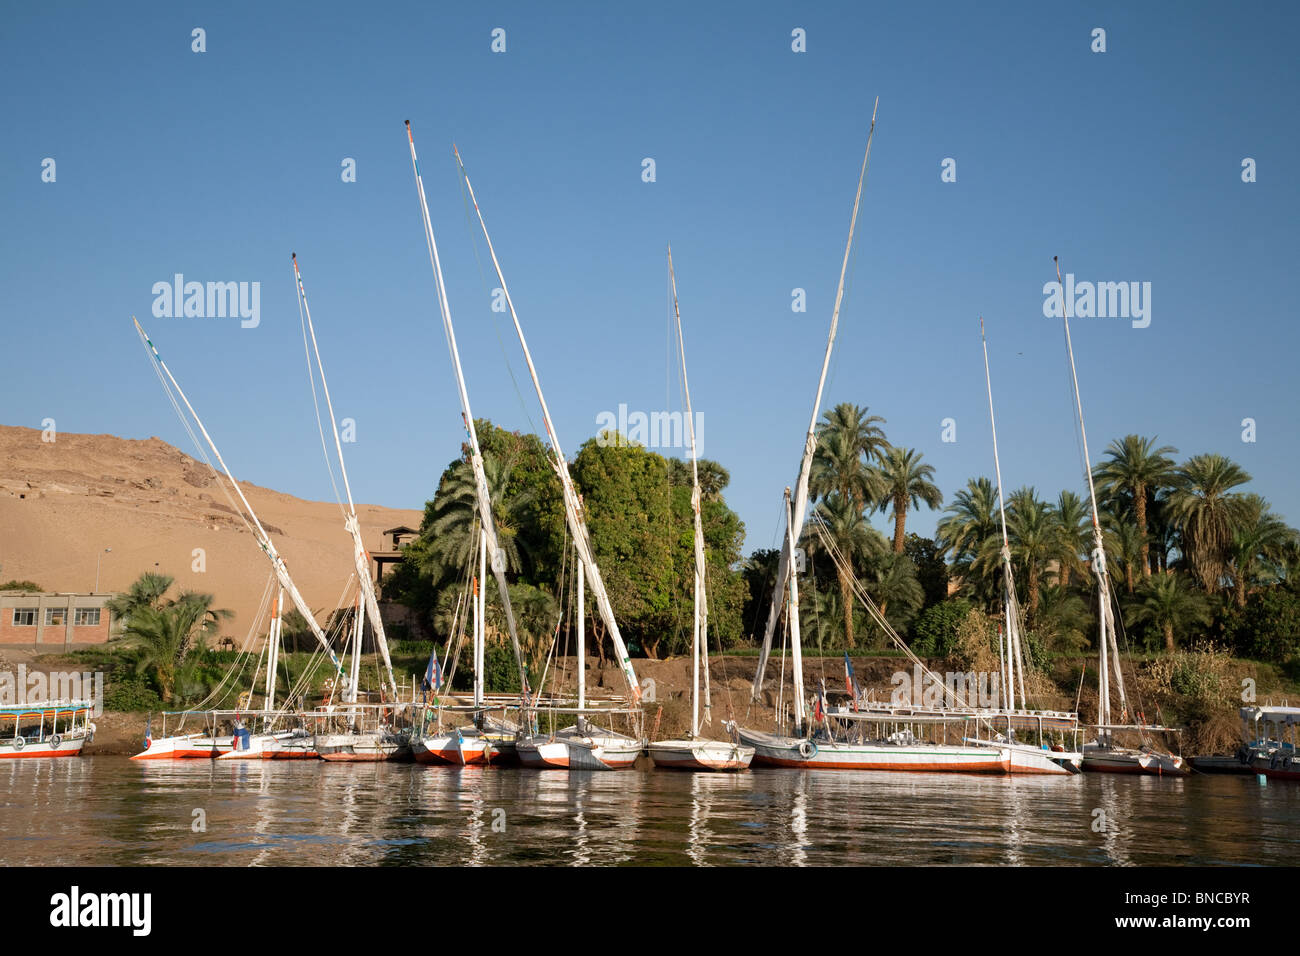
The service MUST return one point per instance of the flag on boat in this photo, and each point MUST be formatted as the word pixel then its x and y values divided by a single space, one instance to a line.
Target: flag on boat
pixel 851 682
pixel 432 674
pixel 148 732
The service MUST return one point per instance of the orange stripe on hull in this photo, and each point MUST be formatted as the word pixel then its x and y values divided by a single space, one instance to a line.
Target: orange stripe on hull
pixel 40 753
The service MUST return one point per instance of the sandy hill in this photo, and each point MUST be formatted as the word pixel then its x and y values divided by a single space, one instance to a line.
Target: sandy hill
pixel 63 502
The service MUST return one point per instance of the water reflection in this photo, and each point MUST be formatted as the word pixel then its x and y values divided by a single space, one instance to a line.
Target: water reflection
pixel 270 813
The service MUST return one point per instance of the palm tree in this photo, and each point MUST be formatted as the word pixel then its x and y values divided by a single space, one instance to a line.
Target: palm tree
pixel 166 636
pixel 849 441
pixel 1064 619
pixel 848 528
pixel 1032 528
pixel 450 533
pixel 1124 546
pixel 892 582
pixel 1074 524
pixel 1167 602
pixel 1208 513
pixel 1259 548
pixel 147 591
pixel 1140 470
pixel 907 483
pixel 969 522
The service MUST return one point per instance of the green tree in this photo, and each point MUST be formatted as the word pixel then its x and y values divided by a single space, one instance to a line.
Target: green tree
pixel 1124 547
pixel 1136 468
pixel 1259 546
pixel 848 528
pixel 964 533
pixel 1208 514
pixel 849 442
pixel 147 591
pixel 907 484
pixel 628 506
pixel 1033 531
pixel 1074 531
pixel 1168 603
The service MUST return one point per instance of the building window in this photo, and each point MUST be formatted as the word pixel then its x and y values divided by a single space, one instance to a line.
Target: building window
pixel 55 616
pixel 86 617
pixel 24 617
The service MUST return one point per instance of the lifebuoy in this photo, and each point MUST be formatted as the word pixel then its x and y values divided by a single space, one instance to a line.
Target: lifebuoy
pixel 19 743
pixel 55 742
pixel 807 749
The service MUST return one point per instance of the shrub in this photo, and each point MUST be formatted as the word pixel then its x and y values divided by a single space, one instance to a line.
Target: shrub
pixel 131 695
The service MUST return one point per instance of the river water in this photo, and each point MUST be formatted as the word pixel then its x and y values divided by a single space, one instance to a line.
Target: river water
pixel 109 810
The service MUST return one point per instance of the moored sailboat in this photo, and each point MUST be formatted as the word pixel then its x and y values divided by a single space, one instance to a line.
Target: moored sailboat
pixel 584 745
pixel 1105 754
pixel 696 752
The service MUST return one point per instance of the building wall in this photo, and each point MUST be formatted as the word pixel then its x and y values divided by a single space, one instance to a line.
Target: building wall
pixel 63 628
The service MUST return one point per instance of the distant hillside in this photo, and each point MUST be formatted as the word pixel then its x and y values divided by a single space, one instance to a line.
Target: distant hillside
pixel 63 502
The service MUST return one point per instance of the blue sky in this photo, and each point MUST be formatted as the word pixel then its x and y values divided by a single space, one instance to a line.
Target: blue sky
pixel 217 165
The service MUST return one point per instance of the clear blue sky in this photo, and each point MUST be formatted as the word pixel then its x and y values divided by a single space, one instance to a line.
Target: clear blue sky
pixel 217 165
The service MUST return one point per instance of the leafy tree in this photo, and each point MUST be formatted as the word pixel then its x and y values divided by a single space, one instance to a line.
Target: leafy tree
pixel 931 569
pixel 628 508
pixel 934 632
pixel 1268 627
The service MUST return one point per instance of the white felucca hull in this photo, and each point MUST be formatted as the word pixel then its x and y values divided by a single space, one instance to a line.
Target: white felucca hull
pixel 367 747
pixel 1026 758
pixel 716 755
pixel 1098 760
pixel 185 746
pixel 269 746
pixel 771 750
pixel 564 752
pixel 436 749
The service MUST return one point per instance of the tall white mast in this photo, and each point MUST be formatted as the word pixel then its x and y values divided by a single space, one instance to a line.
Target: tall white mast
pixel 572 506
pixel 479 598
pixel 1015 660
pixel 263 539
pixel 360 557
pixel 582 633
pixel 796 647
pixel 700 627
pixel 273 652
pixel 495 555
pixel 810 442
pixel 1105 622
